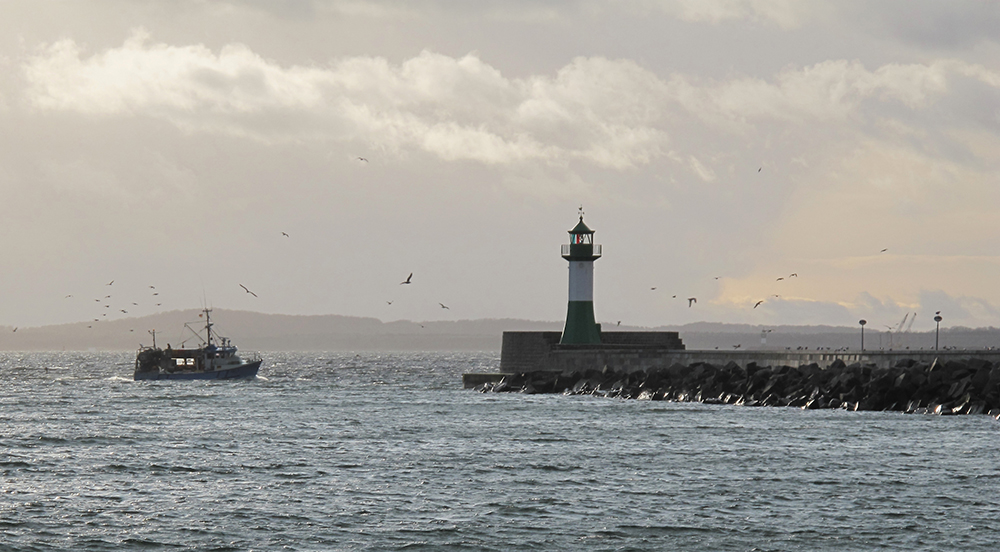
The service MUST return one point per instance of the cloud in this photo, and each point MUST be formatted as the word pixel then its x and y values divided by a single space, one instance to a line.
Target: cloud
pixel 594 110
pixel 787 14
pixel 608 113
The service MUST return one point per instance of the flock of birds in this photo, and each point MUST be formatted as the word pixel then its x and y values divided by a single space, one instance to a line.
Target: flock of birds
pixel 106 307
pixel 408 281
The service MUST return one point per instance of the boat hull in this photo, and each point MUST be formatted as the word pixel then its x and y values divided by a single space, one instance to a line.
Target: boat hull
pixel 243 371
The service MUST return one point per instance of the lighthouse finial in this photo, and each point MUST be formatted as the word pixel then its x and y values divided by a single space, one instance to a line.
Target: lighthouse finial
pixel 581 211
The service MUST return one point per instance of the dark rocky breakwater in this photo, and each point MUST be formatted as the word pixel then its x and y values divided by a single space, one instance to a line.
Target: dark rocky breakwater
pixel 970 386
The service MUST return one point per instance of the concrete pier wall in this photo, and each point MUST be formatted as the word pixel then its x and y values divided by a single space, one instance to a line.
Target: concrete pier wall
pixel 632 351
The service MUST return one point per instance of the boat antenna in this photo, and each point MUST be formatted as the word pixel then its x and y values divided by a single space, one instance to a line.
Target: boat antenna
pixel 153 333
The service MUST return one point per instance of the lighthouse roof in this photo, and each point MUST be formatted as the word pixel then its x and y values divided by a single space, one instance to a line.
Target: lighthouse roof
pixel 581 228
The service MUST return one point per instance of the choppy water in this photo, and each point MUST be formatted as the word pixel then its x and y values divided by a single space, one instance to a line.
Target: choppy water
pixel 387 452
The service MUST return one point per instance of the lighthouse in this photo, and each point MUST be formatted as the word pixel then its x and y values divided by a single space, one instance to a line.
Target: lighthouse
pixel 581 328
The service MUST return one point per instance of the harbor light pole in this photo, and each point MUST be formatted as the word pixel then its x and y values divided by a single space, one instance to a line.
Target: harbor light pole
pixel 862 322
pixel 937 330
pixel 581 252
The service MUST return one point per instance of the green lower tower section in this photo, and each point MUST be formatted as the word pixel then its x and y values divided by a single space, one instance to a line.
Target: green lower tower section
pixel 581 328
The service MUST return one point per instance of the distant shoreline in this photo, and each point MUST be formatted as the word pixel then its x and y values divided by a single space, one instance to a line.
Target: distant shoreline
pixel 277 332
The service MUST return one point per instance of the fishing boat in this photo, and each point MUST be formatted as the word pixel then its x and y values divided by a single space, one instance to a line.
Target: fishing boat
pixel 209 361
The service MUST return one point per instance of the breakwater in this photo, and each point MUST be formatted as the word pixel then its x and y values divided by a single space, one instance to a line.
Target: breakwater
pixel 955 386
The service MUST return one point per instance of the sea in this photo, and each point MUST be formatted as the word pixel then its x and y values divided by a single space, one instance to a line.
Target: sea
pixel 386 451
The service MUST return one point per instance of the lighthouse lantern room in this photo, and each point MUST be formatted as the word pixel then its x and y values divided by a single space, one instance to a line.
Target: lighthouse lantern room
pixel 581 252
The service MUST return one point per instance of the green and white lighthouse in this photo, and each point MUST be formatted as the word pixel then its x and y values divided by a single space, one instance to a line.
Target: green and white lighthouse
pixel 581 328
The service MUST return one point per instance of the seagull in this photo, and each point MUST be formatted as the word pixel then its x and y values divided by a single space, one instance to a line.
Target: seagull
pixel 443 306
pixel 737 346
pixel 125 311
pixel 136 304
pixel 15 329
pixel 158 304
pixel 691 301
pixel 776 295
pixel 111 282
pixel 247 290
pixel 673 297
pixel 98 300
pixel 152 287
pixel 760 169
pixel 389 302
pixel 793 275
pixel 362 159
pixel 758 303
pixel 408 278
pixel 779 279
pixel 619 323
pixel 285 234
pixel 884 250
pixel 68 296
pixel 652 289
pixel 717 277
pixel 157 293
pixel 938 312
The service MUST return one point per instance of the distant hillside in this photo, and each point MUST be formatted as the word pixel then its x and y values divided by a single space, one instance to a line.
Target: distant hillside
pixel 252 331
pixel 270 332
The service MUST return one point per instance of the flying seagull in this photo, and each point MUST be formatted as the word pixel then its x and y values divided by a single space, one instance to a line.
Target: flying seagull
pixel 760 169
pixel 152 287
pixel 758 303
pixel 793 275
pixel 124 311
pixel 408 278
pixel 652 288
pixel 362 159
pixel 619 323
pixel 247 290
pixel 443 306
pixel 691 301
pixel 15 329
pixel 285 234
pixel 111 282
pixel 68 296
pixel 779 279
pixel 389 302
pixel 884 250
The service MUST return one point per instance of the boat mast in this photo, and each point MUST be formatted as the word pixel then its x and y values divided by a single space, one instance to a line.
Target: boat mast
pixel 208 328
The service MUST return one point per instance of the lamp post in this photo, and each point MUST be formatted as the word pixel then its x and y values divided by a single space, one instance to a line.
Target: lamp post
pixel 862 322
pixel 937 330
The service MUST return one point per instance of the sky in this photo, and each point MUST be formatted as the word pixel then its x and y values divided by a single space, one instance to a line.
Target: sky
pixel 717 147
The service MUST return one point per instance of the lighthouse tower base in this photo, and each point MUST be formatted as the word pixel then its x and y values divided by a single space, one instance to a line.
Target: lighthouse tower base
pixel 581 328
